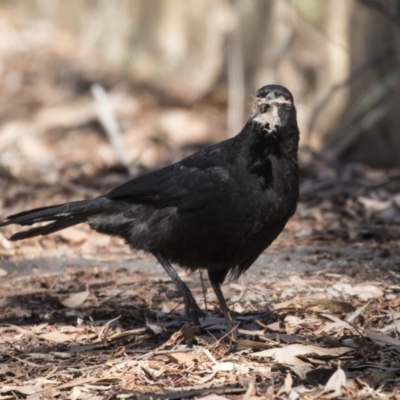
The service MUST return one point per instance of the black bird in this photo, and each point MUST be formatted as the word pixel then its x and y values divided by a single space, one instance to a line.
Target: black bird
pixel 217 209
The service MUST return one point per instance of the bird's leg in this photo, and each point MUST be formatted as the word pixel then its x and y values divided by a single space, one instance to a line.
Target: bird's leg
pixel 204 290
pixel 224 307
pixel 192 310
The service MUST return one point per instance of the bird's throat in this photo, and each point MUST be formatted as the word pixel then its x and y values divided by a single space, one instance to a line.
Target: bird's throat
pixel 269 120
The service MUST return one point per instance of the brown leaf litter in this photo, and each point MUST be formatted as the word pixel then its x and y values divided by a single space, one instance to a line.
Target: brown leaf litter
pixel 325 342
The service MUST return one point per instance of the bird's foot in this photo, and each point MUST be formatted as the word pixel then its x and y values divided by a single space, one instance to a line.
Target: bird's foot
pixel 192 311
pixel 232 326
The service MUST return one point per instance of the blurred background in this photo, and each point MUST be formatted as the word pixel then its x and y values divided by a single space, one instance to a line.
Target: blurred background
pixel 95 91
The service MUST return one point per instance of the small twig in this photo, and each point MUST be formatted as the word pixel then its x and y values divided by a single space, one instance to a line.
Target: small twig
pixel 235 73
pixel 110 124
pixel 354 74
pixel 79 370
pixel 116 295
pixel 204 290
pixel 104 330
pixel 353 134
pixel 160 352
pixel 331 340
pixel 227 334
pixel 374 366
pixel 209 355
pixel 249 392
pixel 318 28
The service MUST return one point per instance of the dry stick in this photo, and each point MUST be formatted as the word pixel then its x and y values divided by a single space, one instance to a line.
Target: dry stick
pixel 209 355
pixel 116 295
pixel 316 27
pixel 204 291
pixel 235 73
pixel 110 124
pixel 150 353
pixel 354 74
pixel 105 328
pixel 367 121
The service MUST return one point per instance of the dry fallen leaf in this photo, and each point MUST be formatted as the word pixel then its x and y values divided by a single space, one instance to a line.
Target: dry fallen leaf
pixel 381 339
pixel 288 354
pixel 78 382
pixel 75 299
pixel 185 358
pixel 378 378
pixel 212 397
pixel 230 366
pixel 287 386
pixel 252 344
pixel 374 205
pixel 331 305
pixel 296 303
pixel 26 390
pixel 56 337
pixel 172 340
pixel 4 371
pixel 316 305
pixel 335 383
pixel 364 292
pixel 155 328
pixel 189 331
pixel 337 325
pixel 75 393
pixel 352 317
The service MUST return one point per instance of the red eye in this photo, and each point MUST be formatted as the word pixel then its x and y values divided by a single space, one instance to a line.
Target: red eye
pixel 288 102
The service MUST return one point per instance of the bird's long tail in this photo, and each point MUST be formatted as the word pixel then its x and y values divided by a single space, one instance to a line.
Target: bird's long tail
pixel 61 216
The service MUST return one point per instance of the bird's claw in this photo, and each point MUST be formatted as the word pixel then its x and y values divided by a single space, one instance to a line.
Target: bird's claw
pixel 193 312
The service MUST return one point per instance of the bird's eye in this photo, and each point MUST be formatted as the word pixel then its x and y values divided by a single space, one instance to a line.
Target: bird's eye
pixel 287 102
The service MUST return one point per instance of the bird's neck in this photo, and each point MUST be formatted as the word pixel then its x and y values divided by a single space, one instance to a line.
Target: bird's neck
pixel 261 144
pixel 288 141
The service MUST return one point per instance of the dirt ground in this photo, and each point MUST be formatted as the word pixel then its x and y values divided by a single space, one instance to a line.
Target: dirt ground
pixel 83 317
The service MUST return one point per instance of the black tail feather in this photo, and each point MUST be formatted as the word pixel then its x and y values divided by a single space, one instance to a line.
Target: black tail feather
pixel 45 230
pixel 51 213
pixel 63 216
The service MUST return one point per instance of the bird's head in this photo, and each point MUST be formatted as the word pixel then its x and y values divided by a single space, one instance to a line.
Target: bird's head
pixel 273 108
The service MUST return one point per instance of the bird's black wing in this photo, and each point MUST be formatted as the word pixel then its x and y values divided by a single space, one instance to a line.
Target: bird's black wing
pixel 186 186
